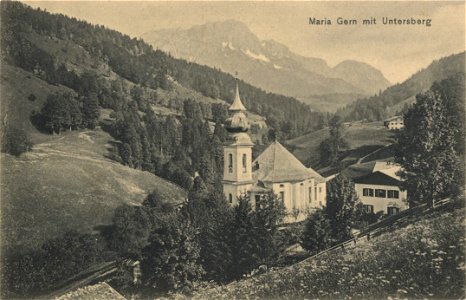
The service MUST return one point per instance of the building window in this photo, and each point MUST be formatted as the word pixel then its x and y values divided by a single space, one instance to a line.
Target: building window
pixel 282 196
pixel 393 194
pixel 282 185
pixel 258 201
pixel 380 193
pixel 230 163
pixel 320 190
pixel 315 193
pixel 310 195
pixel 368 208
pixel 230 198
pixel 245 163
pixel 392 210
pixel 368 192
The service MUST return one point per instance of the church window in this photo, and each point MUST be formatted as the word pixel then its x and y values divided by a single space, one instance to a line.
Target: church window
pixel 245 163
pixel 230 163
pixel 315 193
pixel 230 198
pixel 282 196
pixel 282 185
pixel 310 195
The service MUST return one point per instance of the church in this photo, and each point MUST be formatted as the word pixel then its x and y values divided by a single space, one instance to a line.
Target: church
pixel 275 170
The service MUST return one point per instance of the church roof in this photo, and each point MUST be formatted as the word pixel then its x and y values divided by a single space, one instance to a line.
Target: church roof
pixel 276 164
pixel 237 105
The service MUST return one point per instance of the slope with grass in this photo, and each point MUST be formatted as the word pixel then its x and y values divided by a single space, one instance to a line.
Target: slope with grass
pixel 68 183
pixel 425 258
pixel 363 139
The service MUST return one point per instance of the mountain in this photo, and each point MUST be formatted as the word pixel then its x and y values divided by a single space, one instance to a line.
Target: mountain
pixel 395 99
pixel 232 47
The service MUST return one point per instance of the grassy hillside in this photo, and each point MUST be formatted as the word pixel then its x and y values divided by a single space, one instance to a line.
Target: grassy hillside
pixel 423 259
pixel 363 138
pixel 67 183
pixel 16 86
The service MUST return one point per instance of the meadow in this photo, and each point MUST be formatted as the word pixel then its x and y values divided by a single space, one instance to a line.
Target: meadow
pixel 424 259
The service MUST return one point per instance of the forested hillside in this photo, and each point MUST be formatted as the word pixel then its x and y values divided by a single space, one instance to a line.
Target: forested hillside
pixel 398 97
pixel 133 60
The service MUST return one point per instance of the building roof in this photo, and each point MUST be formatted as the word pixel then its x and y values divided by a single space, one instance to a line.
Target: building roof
pixel 378 178
pixel 360 170
pixel 276 164
pixel 237 105
pixel 393 118
pixel 100 291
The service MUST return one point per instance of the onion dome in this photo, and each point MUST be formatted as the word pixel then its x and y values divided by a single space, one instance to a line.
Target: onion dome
pixel 237 122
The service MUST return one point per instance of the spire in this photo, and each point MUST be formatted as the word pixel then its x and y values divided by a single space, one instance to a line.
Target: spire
pixel 237 105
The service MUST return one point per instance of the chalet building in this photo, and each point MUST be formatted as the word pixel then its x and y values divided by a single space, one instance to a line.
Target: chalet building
pixel 276 170
pixel 394 123
pixel 379 190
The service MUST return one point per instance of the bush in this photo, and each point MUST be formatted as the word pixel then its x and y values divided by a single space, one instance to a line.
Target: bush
pixel 317 232
pixel 16 141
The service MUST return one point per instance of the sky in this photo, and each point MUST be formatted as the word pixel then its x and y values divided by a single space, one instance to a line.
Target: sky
pixel 397 50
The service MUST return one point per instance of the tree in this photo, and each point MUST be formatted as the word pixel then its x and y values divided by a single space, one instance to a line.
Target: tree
pixel 426 149
pixel 242 240
pixel 16 141
pixel 331 146
pixel 267 218
pixel 131 229
pixel 317 232
pixel 254 234
pixel 171 260
pixel 90 111
pixel 341 204
pixel 61 111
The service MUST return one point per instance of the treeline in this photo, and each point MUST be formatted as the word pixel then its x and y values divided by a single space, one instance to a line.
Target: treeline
pixel 171 147
pixel 66 111
pixel 378 107
pixel 136 61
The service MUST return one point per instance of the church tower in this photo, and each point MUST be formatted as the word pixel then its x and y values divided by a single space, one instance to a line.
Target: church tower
pixel 237 153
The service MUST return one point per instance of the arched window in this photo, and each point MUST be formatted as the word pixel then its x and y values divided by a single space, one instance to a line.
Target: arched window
pixel 230 163
pixel 245 163
pixel 230 198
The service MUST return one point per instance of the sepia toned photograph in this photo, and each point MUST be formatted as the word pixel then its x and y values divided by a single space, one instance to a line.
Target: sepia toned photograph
pixel 232 150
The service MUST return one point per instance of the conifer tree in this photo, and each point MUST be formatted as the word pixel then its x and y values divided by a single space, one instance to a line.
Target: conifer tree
pixel 341 204
pixel 317 232
pixel 427 150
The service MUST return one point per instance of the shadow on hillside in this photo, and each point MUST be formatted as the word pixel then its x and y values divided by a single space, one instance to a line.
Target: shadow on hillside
pixel 112 151
pixel 38 121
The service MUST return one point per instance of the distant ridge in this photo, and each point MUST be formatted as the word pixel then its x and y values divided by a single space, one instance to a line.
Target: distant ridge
pixel 394 99
pixel 231 46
